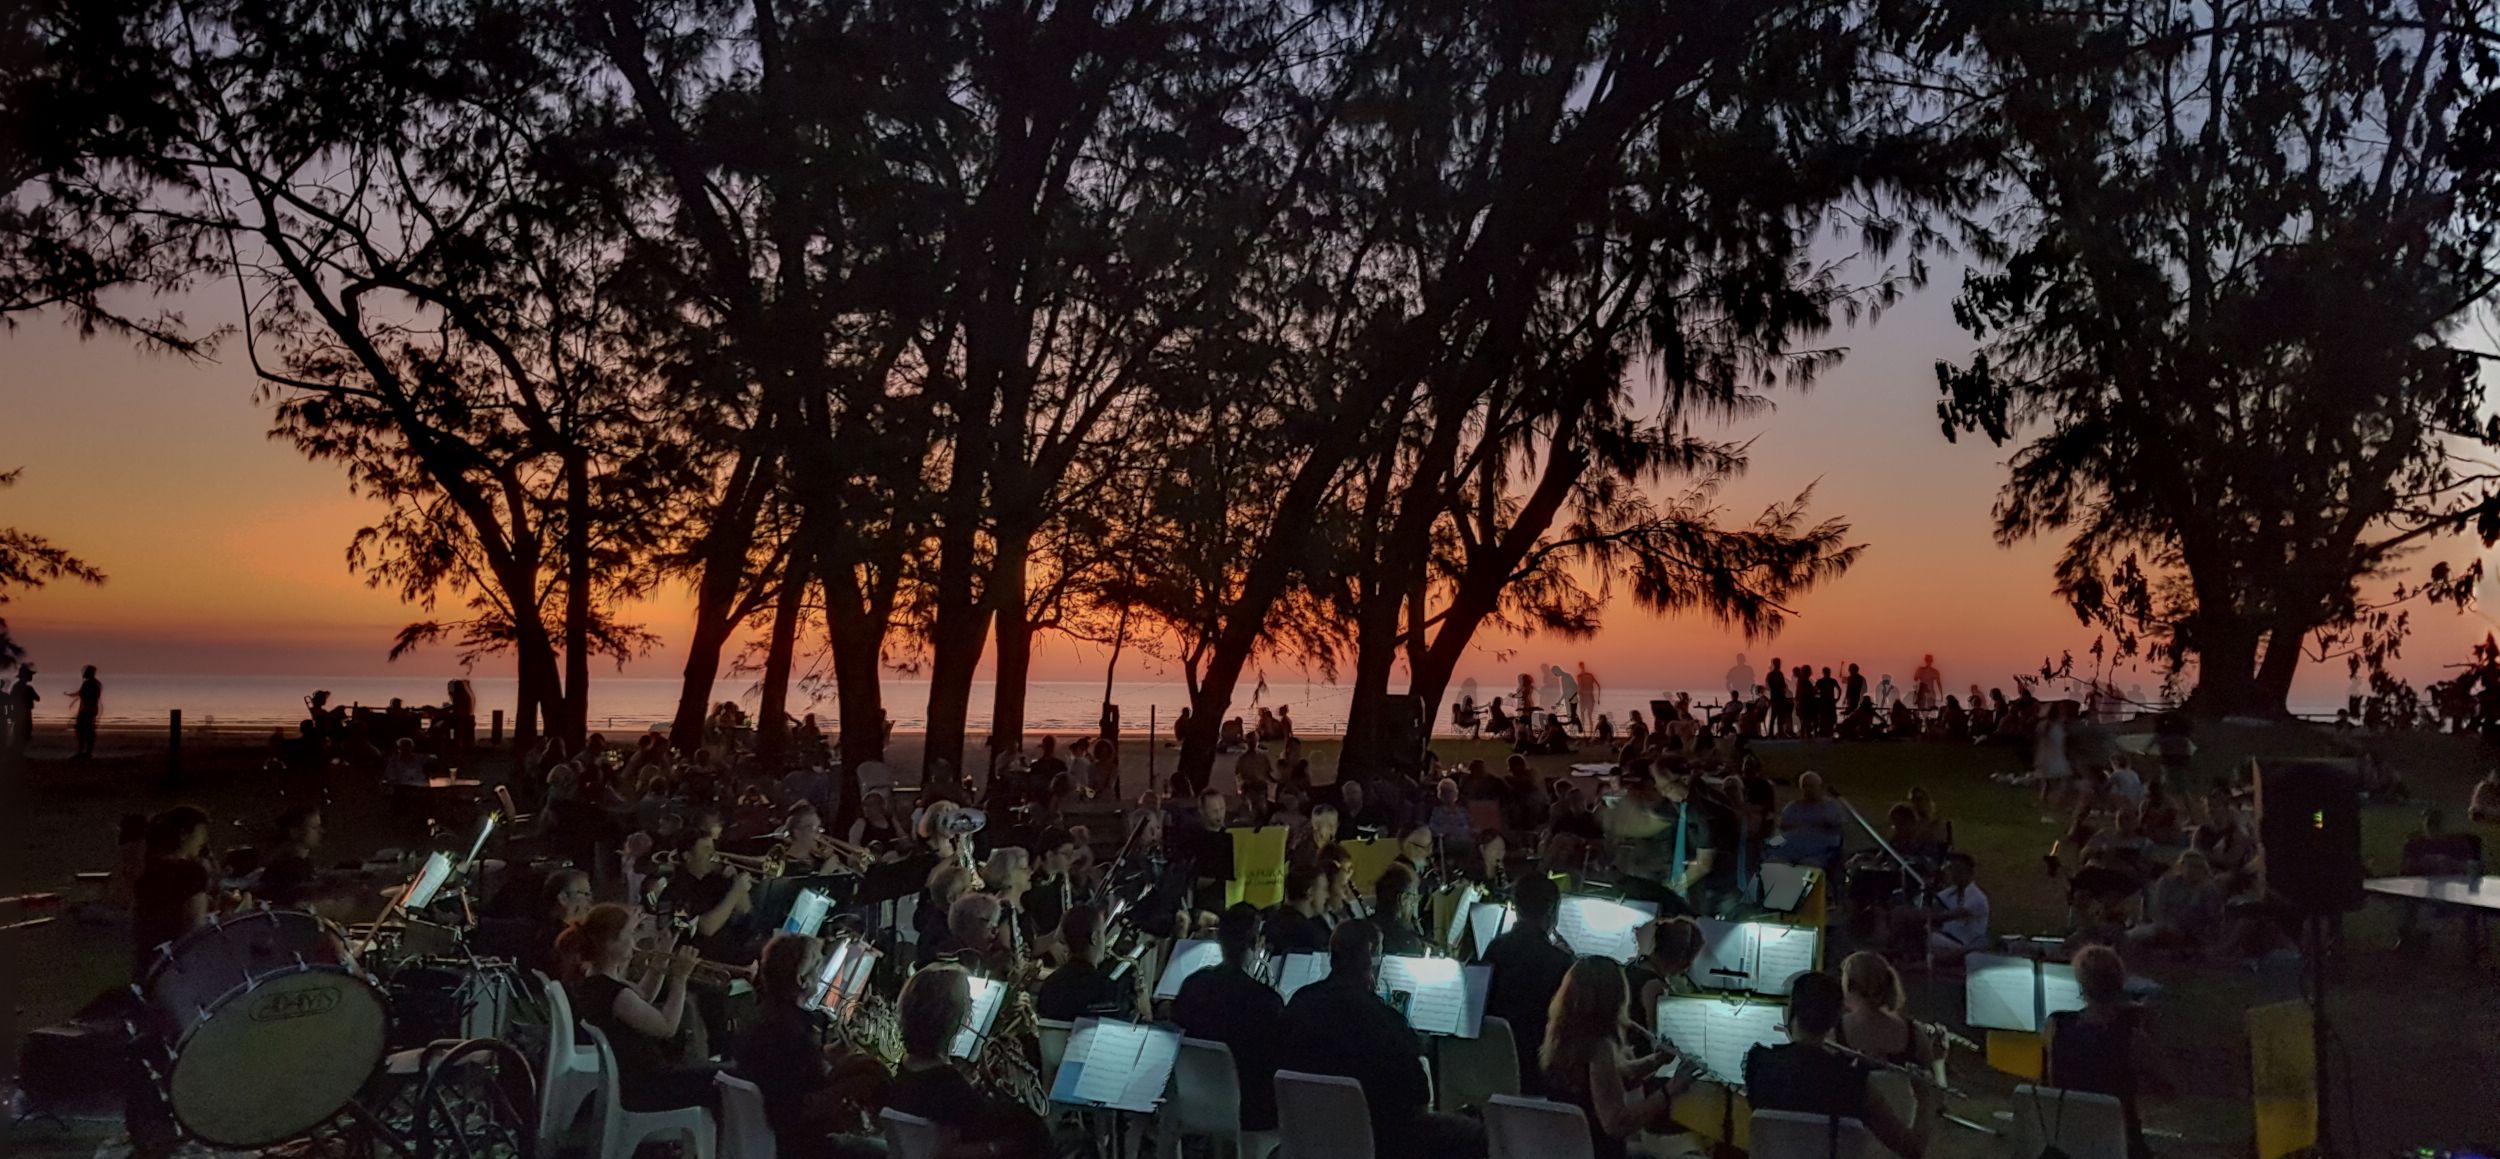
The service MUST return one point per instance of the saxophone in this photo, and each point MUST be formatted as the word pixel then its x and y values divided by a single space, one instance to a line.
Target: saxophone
pixel 1006 1070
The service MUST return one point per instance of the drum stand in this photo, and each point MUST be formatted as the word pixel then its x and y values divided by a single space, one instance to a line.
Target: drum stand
pixel 475 1100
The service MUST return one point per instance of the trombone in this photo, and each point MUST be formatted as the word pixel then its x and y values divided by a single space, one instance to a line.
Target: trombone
pixel 707 973
pixel 768 865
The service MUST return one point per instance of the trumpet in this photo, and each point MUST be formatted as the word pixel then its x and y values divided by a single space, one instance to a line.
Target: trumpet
pixel 709 974
pixel 768 865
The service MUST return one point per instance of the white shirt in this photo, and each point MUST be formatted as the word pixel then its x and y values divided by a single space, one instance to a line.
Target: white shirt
pixel 1740 680
pixel 1970 930
pixel 2126 784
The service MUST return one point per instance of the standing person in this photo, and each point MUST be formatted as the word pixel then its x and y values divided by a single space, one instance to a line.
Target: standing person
pixel 2104 1048
pixel 22 698
pixel 1739 682
pixel 1855 687
pixel 1926 685
pixel 1587 681
pixel 1775 685
pixel 90 696
pixel 1827 703
pixel 463 705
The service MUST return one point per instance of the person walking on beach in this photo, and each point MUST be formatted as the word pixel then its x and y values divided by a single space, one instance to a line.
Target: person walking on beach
pixel 22 698
pixel 1587 682
pixel 90 698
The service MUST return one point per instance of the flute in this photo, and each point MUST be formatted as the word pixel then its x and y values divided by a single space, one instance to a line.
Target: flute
pixel 1917 1074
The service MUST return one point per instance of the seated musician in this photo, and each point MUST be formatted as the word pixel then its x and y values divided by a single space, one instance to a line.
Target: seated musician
pixel 805 1085
pixel 563 898
pixel 1305 842
pixel 876 828
pixel 1224 1003
pixel 1667 949
pixel 1872 1022
pixel 1339 1026
pixel 1008 877
pixel 171 897
pixel 1090 985
pixel 642 1031
pixel 1528 968
pixel 932 1010
pixel 1297 926
pixel 1805 1076
pixel 973 942
pixel 2104 1047
pixel 810 850
pixel 1960 914
pixel 1415 847
pixel 286 877
pixel 1053 888
pixel 1586 1063
pixel 1393 912
pixel 716 896
pixel 933 916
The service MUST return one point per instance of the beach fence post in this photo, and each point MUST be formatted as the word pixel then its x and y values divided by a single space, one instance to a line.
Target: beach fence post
pixel 1153 730
pixel 496 737
pixel 173 746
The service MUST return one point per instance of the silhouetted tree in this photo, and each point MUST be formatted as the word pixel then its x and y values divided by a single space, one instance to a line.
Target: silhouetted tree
pixel 28 562
pixel 2235 242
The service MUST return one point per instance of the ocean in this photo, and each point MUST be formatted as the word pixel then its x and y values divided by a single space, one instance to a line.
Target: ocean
pixel 633 704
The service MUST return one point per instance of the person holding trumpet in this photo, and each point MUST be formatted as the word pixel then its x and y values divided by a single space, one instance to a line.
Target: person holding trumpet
pixel 641 1017
pixel 718 897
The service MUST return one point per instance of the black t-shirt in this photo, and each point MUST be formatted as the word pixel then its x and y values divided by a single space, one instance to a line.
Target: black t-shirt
pixel 1046 903
pixel 90 694
pixel 160 906
pixel 1078 990
pixel 1397 938
pixel 1337 1026
pixel 1827 690
pixel 1528 969
pixel 780 1056
pixel 1710 825
pixel 1290 932
pixel 1776 682
pixel 695 897
pixel 1806 1080
pixel 1225 1004
pixel 939 1094
pixel 639 1057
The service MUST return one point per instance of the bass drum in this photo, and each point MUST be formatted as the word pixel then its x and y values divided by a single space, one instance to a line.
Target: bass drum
pixel 271 1028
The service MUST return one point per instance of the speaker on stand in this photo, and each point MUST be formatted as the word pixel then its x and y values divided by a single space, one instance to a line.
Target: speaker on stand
pixel 1405 732
pixel 2309 834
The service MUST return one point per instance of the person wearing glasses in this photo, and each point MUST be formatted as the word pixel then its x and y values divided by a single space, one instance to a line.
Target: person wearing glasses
pixel 1393 911
pixel 1415 850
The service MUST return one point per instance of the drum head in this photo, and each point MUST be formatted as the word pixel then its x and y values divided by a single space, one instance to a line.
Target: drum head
pixel 277 1058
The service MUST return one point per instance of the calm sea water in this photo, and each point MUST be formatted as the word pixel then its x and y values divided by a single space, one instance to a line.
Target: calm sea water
pixel 635 703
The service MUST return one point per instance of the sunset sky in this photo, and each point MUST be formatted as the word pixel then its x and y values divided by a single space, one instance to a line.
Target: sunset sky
pixel 227 550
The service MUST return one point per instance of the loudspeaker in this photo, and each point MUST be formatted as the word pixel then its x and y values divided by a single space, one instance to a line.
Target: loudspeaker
pixel 1404 731
pixel 2309 818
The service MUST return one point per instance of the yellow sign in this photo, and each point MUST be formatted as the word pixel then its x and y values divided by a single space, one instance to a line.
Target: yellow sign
pixel 2283 1078
pixel 1258 867
pixel 1372 856
pixel 2019 1053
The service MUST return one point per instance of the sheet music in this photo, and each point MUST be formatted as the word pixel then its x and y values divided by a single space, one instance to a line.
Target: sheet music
pixel 1785 885
pixel 1718 1032
pixel 1151 1075
pixel 986 996
pixel 429 882
pixel 808 913
pixel 1490 920
pixel 2001 993
pixel 1724 946
pixel 1300 970
pixel 1189 955
pixel 1736 1029
pixel 2060 992
pixel 1440 989
pixel 1685 1023
pixel 1605 927
pixel 1110 1058
pixel 1460 913
pixel 1780 954
pixel 845 977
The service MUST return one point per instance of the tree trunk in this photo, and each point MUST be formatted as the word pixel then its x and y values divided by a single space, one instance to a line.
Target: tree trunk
pixel 2226 663
pixel 1015 639
pixel 727 541
pixel 772 725
pixel 2281 664
pixel 858 640
pixel 577 568
pixel 955 656
pixel 1366 752
pixel 703 661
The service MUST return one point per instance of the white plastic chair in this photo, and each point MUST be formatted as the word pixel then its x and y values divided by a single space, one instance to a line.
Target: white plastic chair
pixel 1206 1102
pixel 571 1075
pixel 1795 1135
pixel 622 1131
pixel 1320 1116
pixel 1474 1070
pixel 2083 1125
pixel 1898 1094
pixel 744 1131
pixel 1520 1128
pixel 909 1136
